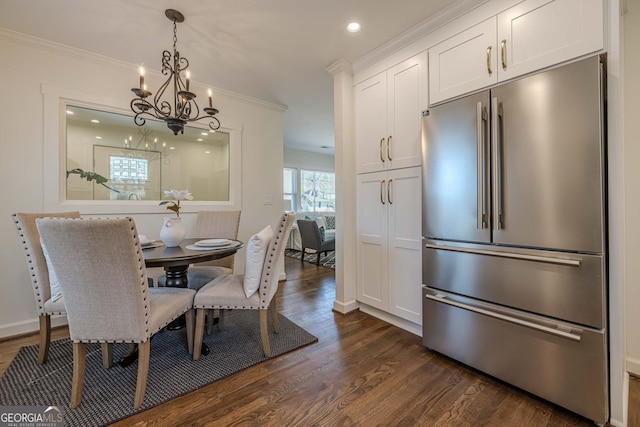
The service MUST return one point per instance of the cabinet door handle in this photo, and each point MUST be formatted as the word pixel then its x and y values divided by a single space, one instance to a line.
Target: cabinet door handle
pixel 382 191
pixel 489 60
pixel 389 139
pixel 389 192
pixel 503 53
pixel 381 155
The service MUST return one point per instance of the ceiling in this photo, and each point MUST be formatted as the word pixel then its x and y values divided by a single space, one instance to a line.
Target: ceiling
pixel 274 50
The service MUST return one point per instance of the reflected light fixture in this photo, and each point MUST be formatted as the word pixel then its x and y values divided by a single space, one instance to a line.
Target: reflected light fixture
pixel 180 109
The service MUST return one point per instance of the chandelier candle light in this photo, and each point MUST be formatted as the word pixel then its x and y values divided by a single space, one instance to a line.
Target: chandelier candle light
pixel 182 108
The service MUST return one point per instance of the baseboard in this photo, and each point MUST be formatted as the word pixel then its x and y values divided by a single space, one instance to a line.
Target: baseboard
pixel 282 276
pixel 29 326
pixel 394 320
pixel 633 366
pixel 345 307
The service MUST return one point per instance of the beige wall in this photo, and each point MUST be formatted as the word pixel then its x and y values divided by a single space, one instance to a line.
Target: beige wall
pixel 307 160
pixel 31 63
pixel 631 117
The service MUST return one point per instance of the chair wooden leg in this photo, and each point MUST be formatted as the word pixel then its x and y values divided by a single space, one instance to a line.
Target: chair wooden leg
pixel 189 320
pixel 302 257
pixel 273 306
pixel 197 341
pixel 264 333
pixel 79 353
pixel 318 258
pixel 210 315
pixel 45 339
pixel 221 319
pixel 143 370
pixel 107 355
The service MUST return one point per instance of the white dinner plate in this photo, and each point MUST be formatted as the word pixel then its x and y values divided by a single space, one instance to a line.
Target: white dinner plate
pixel 230 244
pixel 212 243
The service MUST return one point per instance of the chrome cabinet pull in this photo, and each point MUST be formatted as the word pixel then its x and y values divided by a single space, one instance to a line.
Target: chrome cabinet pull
pixel 503 53
pixel 521 322
pixel 496 132
pixel 381 155
pixel 489 60
pixel 382 191
pixel 389 139
pixel 389 192
pixel 536 258
pixel 481 193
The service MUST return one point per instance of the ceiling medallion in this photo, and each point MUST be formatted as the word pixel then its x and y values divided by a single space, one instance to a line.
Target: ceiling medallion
pixel 180 109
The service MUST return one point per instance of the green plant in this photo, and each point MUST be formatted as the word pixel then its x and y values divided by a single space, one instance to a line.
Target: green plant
pixel 91 176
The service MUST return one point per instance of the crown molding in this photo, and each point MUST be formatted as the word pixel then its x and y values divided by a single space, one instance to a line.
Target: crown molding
pixel 436 21
pixel 340 66
pixel 62 49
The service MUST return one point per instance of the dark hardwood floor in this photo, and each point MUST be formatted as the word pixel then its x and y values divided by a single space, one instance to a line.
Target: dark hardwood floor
pixel 362 372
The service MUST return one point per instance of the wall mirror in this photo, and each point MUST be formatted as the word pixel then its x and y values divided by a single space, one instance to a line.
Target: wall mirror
pixel 108 157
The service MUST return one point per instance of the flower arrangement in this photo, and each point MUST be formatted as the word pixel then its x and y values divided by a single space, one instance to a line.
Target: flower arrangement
pixel 176 196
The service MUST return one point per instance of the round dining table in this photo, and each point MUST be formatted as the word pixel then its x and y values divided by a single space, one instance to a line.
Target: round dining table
pixel 176 260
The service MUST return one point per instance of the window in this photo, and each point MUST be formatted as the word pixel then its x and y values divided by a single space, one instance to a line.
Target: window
pixel 121 168
pixel 290 186
pixel 317 191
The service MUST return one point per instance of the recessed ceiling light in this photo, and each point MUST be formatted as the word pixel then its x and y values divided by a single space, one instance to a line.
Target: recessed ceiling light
pixel 95 121
pixel 204 133
pixel 199 140
pixel 353 27
pixel 172 148
pixel 98 137
pixel 207 152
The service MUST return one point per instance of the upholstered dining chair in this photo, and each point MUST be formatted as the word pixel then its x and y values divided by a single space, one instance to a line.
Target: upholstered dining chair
pixel 253 290
pixel 49 301
pixel 101 269
pixel 312 239
pixel 219 224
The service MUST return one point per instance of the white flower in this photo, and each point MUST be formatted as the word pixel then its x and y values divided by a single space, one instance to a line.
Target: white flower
pixel 176 196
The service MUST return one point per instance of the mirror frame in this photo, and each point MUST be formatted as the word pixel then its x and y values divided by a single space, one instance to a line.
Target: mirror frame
pixel 56 99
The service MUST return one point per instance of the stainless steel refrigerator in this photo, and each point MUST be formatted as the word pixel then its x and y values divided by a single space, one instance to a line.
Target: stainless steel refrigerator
pixel 514 233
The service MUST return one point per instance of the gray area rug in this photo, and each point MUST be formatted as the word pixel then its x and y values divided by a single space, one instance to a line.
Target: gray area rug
pixel 108 393
pixel 326 260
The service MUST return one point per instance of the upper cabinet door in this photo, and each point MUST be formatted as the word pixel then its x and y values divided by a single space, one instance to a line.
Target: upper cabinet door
pixel 539 33
pixel 463 63
pixel 407 97
pixel 371 124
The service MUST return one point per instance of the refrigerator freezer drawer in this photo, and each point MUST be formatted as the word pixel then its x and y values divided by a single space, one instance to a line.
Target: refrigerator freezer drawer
pixel 565 286
pixel 556 361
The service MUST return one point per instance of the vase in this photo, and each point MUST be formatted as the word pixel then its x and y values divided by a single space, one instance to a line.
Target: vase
pixel 172 232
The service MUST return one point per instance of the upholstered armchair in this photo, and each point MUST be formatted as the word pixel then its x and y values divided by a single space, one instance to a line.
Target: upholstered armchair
pixel 101 269
pixel 312 239
pixel 49 301
pixel 253 290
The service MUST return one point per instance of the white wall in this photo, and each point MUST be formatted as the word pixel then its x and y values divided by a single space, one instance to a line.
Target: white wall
pixel 31 63
pixel 307 160
pixel 631 72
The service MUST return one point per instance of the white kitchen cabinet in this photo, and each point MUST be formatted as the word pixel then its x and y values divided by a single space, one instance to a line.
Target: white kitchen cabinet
pixel 388 110
pixel 389 252
pixel 527 37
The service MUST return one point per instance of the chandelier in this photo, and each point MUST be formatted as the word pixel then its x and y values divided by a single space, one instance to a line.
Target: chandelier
pixel 144 149
pixel 180 109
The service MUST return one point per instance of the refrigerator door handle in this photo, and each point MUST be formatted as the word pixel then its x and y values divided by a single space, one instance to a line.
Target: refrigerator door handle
pixel 549 260
pixel 496 136
pixel 529 324
pixel 481 196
